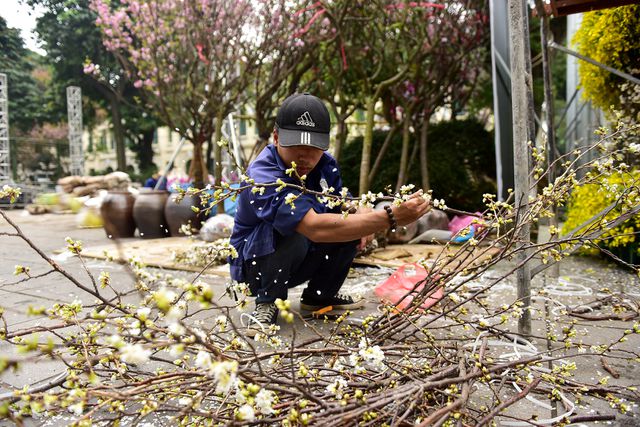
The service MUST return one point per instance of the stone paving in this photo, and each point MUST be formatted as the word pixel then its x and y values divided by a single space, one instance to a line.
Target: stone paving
pixel 583 278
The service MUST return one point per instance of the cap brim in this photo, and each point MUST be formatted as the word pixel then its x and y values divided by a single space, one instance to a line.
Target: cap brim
pixel 291 138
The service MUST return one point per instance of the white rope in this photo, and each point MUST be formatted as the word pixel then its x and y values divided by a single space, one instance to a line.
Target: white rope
pixel 569 286
pixel 535 401
pixel 528 349
pixel 250 318
pixel 556 310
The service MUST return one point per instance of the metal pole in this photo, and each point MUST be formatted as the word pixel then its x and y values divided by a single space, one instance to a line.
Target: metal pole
pixel 237 148
pixel 5 155
pixel 74 114
pixel 520 100
pixel 501 96
pixel 619 73
pixel 169 165
pixel 566 108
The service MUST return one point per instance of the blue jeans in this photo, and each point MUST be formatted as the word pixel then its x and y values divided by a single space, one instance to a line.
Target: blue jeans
pixel 296 260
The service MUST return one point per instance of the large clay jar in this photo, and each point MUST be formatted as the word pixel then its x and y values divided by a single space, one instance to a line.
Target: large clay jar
pixel 148 212
pixel 179 214
pixel 117 214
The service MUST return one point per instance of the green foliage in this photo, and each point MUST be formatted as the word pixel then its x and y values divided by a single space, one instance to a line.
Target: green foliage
pixel 66 25
pixel 63 28
pixel 589 199
pixel 461 163
pixel 612 37
pixel 17 62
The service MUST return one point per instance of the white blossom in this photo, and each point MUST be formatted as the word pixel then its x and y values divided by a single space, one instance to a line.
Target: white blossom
pixel 134 353
pixel 371 354
pixel 77 408
pixel 264 401
pixel 176 350
pixel 143 313
pixel 115 341
pixel 337 386
pixel 439 204
pixel 175 313
pixel 164 296
pixel 203 360
pixel 289 199
pixel 224 373
pixel 246 413
pixel 176 328
pixel 134 328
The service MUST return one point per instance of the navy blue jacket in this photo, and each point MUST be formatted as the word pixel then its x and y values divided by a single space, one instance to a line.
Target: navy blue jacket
pixel 258 216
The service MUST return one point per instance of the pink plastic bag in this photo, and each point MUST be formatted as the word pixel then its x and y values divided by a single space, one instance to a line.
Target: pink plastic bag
pixel 459 222
pixel 402 282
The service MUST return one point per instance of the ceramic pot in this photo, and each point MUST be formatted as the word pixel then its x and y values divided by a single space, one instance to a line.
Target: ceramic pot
pixel 117 214
pixel 178 214
pixel 148 212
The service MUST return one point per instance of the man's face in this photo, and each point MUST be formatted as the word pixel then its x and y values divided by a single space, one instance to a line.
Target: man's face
pixel 306 157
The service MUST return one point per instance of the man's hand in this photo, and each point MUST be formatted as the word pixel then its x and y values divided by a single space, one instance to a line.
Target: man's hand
pixel 412 209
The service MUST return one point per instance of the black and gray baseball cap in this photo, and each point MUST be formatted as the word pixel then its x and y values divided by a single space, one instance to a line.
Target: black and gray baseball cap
pixel 303 119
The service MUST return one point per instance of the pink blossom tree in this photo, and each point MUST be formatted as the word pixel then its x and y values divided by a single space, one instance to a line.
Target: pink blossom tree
pixel 447 68
pixel 192 60
pixel 293 36
pixel 405 54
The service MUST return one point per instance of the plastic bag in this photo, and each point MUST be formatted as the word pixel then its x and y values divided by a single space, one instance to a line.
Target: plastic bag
pixel 217 227
pixel 402 282
pixel 89 217
pixel 459 222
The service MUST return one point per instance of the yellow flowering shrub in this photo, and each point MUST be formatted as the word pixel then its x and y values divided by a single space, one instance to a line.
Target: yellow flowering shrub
pixel 588 200
pixel 611 37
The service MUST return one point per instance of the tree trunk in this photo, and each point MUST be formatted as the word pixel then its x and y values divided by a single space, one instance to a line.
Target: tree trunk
pixel 118 135
pixel 367 142
pixel 382 152
pixel 209 157
pixel 264 128
pixel 341 138
pixel 413 155
pixel 198 168
pixel 404 156
pixel 145 150
pixel 59 170
pixel 424 166
pixel 217 156
pixel 521 94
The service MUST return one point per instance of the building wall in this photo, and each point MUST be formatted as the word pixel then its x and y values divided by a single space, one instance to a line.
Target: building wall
pixel 100 151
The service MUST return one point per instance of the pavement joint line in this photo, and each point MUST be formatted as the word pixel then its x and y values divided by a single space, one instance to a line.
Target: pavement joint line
pixel 6 385
pixel 26 294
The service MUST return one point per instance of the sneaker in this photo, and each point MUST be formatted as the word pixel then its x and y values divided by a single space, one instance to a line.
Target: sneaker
pixel 338 302
pixel 262 318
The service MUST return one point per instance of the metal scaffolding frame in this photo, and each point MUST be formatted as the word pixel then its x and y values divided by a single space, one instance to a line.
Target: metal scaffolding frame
pixel 5 155
pixel 500 62
pixel 74 114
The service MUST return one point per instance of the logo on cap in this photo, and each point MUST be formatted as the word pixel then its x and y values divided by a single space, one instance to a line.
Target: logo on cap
pixel 305 120
pixel 305 138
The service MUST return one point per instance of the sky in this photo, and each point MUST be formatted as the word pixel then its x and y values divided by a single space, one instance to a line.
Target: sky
pixel 22 17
